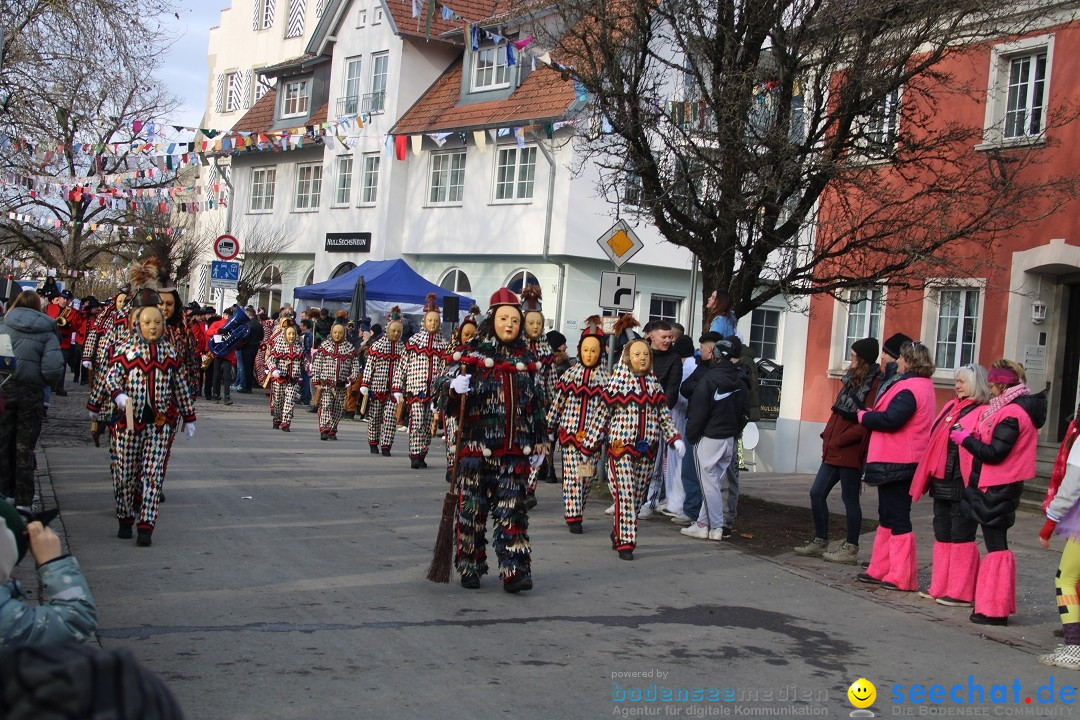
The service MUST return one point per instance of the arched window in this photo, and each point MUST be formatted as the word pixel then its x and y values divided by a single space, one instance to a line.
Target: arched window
pixel 269 298
pixel 310 279
pixel 519 279
pixel 455 280
pixel 342 269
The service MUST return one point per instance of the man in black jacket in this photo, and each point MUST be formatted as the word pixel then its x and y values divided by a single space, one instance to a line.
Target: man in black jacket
pixel 667 366
pixel 719 405
pixel 250 349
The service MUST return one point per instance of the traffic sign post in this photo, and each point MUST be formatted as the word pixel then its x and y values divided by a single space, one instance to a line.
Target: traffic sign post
pixel 620 243
pixel 618 291
pixel 226 247
pixel 224 274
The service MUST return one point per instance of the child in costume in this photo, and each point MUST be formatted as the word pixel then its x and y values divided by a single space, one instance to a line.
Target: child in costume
pixel 634 418
pixel 578 396
pixel 536 339
pixel 285 363
pixel 422 361
pixel 67 613
pixel 460 340
pixel 382 360
pixel 144 381
pixel 497 385
pixel 333 368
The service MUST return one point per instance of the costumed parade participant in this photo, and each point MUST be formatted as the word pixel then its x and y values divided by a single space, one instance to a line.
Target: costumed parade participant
pixel 578 396
pixel 144 382
pixel 96 350
pixel 67 322
pixel 460 340
pixel 182 339
pixel 285 363
pixel 382 360
pixel 634 418
pixel 333 367
pixel 423 359
pixel 536 339
pixel 496 386
pixel 1004 446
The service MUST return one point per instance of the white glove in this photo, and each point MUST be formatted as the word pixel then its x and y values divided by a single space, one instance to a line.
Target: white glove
pixel 217 338
pixel 86 363
pixel 397 397
pixel 537 460
pixel 461 385
pixel 121 400
pixel 680 447
pixel 189 428
pixel 364 391
pixel 276 373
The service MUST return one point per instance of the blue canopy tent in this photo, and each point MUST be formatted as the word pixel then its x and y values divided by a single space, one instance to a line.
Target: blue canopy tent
pixel 386 283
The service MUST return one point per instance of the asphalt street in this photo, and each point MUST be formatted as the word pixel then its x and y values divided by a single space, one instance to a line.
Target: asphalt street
pixel 286 580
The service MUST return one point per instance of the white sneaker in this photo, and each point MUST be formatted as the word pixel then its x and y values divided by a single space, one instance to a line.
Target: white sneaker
pixel 682 519
pixel 696 530
pixel 610 510
pixel 645 512
pixel 1065 656
pixel 716 534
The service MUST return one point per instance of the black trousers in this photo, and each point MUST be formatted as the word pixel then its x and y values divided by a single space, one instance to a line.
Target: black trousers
pixel 20 427
pixel 894 507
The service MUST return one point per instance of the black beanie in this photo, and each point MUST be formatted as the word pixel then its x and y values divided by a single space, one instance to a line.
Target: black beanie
pixel 867 349
pixel 894 343
pixel 683 347
pixel 556 339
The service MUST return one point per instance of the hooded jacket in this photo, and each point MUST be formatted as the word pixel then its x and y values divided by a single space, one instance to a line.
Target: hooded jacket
pixel 38 361
pixel 719 405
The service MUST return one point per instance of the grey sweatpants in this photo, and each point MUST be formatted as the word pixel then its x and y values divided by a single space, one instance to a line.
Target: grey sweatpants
pixel 718 494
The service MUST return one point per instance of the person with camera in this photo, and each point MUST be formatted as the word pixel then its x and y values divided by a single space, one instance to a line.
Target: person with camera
pixel 38 364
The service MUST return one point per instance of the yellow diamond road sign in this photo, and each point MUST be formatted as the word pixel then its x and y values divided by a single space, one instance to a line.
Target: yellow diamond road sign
pixel 620 243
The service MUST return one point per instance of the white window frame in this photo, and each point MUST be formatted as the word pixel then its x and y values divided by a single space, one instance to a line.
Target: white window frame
pixel 455 285
pixel 841 347
pixel 301 100
pixel 508 175
pixel 658 297
pixel 873 299
pixel 343 189
pixel 932 316
pixel 880 131
pixel 352 84
pixel 997 92
pixel 308 187
pixel 525 273
pixel 779 332
pixel 443 166
pixel 377 17
pixel 361 17
pixel 489 69
pixel 369 184
pixel 377 104
pixel 233 102
pixel 263 184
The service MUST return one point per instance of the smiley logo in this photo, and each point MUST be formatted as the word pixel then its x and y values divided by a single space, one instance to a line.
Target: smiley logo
pixel 862 693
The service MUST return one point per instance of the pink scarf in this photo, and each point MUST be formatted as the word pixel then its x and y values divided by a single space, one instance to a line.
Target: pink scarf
pixel 1004 399
pixel 937 450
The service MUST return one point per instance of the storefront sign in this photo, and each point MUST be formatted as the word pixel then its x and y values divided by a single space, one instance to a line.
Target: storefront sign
pixel 348 242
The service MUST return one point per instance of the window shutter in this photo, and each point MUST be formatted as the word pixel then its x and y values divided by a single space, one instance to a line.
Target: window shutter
pixel 268 14
pixel 236 90
pixel 219 93
pixel 296 18
pixel 247 88
pixel 211 180
pixel 256 15
pixel 318 8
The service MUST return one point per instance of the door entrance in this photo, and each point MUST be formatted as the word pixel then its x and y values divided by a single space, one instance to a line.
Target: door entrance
pixel 1071 365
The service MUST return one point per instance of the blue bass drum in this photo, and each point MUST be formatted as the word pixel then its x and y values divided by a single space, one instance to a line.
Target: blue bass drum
pixel 232 334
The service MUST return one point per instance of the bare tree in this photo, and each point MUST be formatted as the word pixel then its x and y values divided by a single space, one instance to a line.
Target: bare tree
pixel 264 252
pixel 73 81
pixel 803 146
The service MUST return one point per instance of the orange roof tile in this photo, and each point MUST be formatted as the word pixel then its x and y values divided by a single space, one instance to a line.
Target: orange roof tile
pixel 543 96
pixel 261 116
pixel 470 10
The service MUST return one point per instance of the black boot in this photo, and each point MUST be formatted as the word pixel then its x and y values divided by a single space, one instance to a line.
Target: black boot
pixel 470 581
pixel 574 527
pixel 145 531
pixel 374 449
pixel 386 452
pixel 415 463
pixel 125 533
pixel 518 583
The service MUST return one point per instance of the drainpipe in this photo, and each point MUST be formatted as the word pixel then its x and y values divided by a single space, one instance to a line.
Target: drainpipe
pixel 547 232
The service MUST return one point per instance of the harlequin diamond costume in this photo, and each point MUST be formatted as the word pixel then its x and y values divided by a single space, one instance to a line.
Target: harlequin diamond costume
pixel 634 418
pixel 285 364
pixel 536 339
pixel 144 382
pixel 333 367
pixel 382 360
pixel 461 339
pixel 578 397
pixel 497 386
pixel 423 359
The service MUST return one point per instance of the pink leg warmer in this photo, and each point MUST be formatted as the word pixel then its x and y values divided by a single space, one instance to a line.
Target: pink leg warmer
pixel 995 589
pixel 902 563
pixel 941 569
pixel 879 556
pixel 962 570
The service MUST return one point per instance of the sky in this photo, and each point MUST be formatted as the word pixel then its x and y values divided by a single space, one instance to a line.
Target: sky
pixel 185 72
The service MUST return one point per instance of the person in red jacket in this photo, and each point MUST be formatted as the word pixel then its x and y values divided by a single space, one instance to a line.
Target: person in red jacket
pixel 899 422
pixel 1004 445
pixel 224 367
pixel 843 448
pixel 66 323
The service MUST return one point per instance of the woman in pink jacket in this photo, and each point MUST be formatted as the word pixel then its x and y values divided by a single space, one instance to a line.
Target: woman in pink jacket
pixel 899 425
pixel 1003 445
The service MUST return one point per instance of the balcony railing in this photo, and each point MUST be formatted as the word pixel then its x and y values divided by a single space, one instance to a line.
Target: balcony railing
pixel 368 104
pixel 348 105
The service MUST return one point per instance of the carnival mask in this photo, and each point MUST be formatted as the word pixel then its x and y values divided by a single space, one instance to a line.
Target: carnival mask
pixel 290 334
pixel 431 321
pixel 121 298
pixel 468 332
pixel 507 323
pixel 534 325
pixel 393 331
pixel 640 357
pixel 590 352
pixel 151 323
pixel 168 304
pixel 337 333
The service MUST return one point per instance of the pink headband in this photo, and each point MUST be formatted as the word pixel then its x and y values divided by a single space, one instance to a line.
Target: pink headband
pixel 1002 376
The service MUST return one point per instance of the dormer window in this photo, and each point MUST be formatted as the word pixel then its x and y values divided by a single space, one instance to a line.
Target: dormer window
pixel 490 71
pixel 295 98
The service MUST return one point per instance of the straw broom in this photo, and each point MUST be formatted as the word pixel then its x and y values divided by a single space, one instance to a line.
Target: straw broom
pixel 439 570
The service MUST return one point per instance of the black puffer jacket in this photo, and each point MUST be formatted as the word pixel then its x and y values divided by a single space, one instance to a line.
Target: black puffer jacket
pixel 38 360
pixel 1006 433
pixel 667 366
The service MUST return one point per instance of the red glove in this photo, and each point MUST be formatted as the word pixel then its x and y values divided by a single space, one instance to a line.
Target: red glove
pixel 1047 529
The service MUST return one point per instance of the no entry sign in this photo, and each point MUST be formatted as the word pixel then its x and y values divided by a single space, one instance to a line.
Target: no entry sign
pixel 226 247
